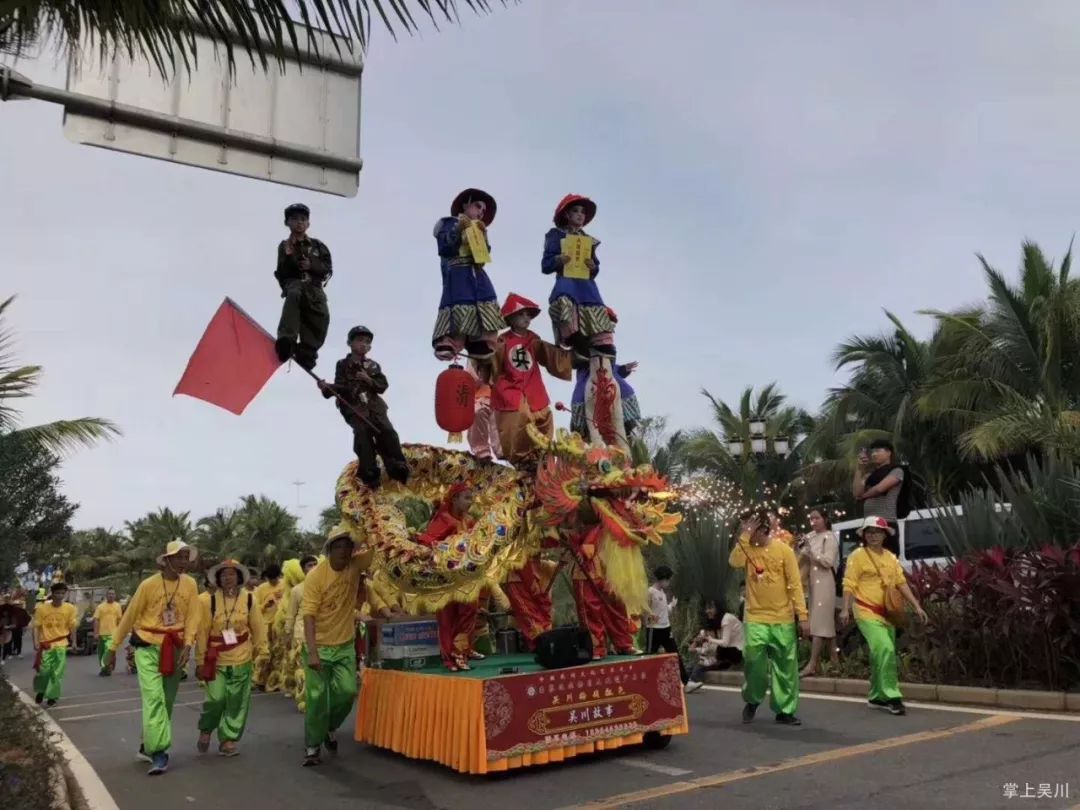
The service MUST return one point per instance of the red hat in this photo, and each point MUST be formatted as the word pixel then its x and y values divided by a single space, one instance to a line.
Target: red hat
pixel 474 195
pixel 517 303
pixel 448 499
pixel 574 199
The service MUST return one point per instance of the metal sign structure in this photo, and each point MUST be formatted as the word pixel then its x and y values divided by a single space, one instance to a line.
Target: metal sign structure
pixel 298 125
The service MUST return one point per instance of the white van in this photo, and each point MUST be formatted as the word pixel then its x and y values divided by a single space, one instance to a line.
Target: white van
pixel 918 539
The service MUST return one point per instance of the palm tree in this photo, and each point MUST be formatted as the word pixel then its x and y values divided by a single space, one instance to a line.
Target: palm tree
pixel 1007 372
pixel 756 479
pixel 217 532
pixel 151 533
pixel 328 519
pixel 19 382
pixel 266 531
pixel 162 32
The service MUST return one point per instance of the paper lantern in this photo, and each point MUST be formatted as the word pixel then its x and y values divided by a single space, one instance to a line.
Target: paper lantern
pixel 455 399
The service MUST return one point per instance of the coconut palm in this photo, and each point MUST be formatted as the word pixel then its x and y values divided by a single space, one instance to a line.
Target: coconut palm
pixel 162 32
pixel 266 531
pixel 1007 372
pixel 18 382
pixel 328 519
pixel 217 532
pixel 151 533
pixel 768 477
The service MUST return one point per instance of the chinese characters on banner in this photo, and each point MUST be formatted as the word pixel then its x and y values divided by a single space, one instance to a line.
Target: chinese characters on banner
pixel 578 248
pixel 557 708
pixel 477 243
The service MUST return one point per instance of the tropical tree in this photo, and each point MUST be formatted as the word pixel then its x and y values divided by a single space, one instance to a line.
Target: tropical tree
pixel 766 477
pixel 163 32
pixel 328 519
pixel 18 382
pixel 266 531
pixel 218 532
pixel 1007 374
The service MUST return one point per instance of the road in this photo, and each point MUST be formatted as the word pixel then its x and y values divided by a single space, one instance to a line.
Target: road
pixel 844 756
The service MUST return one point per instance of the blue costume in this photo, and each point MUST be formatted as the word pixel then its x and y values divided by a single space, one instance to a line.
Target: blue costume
pixel 469 316
pixel 579 316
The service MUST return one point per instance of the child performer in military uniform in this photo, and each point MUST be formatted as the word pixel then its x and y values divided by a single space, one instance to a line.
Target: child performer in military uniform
pixel 53 633
pixel 360 382
pixel 774 598
pixel 469 308
pixel 304 267
pixel 518 394
pixel 231 634
pixel 163 619
pixel 578 314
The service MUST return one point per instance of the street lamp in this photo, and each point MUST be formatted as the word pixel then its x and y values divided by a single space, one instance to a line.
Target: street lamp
pixel 735 447
pixel 758 445
pixel 757 427
pixel 781 445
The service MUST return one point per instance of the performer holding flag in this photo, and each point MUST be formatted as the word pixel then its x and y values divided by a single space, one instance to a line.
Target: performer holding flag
pixel 53 633
pixel 163 619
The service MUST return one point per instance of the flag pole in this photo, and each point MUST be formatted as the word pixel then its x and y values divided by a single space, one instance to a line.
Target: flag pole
pixel 339 398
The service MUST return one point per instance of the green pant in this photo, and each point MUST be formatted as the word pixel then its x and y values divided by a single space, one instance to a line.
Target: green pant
pixel 103 650
pixel 329 692
pixel 304 316
pixel 775 643
pixel 228 698
pixel 51 675
pixel 881 638
pixel 158 695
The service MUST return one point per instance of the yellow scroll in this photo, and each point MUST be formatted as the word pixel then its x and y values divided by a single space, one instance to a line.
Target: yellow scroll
pixel 477 242
pixel 578 248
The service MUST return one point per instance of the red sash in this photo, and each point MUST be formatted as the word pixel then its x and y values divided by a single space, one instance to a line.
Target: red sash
pixel 42 647
pixel 172 640
pixel 880 611
pixel 208 670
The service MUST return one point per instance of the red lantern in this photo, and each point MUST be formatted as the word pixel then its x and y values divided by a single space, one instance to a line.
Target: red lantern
pixel 455 400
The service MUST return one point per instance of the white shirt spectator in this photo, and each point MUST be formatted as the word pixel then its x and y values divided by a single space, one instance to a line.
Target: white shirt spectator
pixel 731 632
pixel 659 609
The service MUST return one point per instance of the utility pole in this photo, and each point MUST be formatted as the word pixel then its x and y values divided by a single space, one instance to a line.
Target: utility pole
pixel 299 484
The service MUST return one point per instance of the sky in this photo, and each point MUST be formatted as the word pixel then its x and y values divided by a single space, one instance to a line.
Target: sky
pixel 769 176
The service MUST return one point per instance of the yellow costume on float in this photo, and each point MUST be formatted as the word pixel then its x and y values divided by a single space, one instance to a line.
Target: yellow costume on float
pixel 268 596
pixel 281 676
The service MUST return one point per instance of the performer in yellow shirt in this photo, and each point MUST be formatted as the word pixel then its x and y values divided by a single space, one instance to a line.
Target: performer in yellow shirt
pixel 53 632
pixel 293 630
pixel 268 596
pixel 869 571
pixel 231 633
pixel 332 592
pixel 163 618
pixel 774 597
pixel 106 618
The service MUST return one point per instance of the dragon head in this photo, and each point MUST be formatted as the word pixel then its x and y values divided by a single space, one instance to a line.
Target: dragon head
pixel 593 493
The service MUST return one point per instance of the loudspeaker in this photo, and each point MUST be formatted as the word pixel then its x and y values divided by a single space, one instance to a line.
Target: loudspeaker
pixel 563 647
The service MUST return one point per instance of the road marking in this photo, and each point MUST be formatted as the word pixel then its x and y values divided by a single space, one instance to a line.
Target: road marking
pixel 832 755
pixel 934 707
pixel 136 711
pixel 65 706
pixel 644 764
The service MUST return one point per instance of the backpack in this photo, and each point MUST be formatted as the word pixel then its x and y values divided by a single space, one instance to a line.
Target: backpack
pixel 213 604
pixel 903 500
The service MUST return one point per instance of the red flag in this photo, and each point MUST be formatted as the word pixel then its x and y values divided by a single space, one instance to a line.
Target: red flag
pixel 232 362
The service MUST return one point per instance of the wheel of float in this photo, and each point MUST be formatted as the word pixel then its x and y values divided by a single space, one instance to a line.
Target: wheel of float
pixel 655 741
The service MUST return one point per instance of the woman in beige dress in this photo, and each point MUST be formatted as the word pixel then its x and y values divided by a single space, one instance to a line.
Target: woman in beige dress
pixel 819 556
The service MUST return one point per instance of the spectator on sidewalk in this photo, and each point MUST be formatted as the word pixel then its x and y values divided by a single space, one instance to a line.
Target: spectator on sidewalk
pixel 878 484
pixel 718 646
pixel 819 556
pixel 658 620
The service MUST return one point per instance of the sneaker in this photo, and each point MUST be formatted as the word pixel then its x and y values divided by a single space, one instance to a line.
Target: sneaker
pixel 50 703
pixel 692 686
pixel 331 743
pixel 159 764
pixel 142 756
pixel 38 698
pixel 874 703
pixel 788 720
pixel 311 757
pixel 748 712
pixel 896 707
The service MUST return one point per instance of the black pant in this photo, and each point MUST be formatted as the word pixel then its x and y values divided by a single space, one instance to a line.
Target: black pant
pixel 659 639
pixel 369 446
pixel 14 647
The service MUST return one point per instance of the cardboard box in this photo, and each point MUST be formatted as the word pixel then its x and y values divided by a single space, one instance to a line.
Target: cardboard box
pixel 411 644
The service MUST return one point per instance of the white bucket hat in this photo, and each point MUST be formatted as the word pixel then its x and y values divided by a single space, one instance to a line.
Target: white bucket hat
pixel 875 523
pixel 174 547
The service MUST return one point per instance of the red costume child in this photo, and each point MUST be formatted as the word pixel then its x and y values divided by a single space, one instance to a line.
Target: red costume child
pixel 601 611
pixel 518 394
pixel 457 621
pixel 529 591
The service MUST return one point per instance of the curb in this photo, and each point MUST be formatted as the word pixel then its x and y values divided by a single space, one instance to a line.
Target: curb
pixel 1064 702
pixel 95 796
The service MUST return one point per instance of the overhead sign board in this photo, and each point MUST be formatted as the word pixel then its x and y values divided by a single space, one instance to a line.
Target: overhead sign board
pixel 299 126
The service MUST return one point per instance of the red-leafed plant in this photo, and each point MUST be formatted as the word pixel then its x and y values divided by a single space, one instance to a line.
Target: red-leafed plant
pixel 999 617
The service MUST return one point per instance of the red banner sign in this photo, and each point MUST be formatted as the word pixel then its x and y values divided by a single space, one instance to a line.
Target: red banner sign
pixel 559 708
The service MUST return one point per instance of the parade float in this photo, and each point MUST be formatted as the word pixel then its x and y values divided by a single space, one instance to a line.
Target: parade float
pixel 508 711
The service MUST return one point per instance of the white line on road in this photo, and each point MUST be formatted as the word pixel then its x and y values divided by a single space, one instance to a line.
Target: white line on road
pixel 934 707
pixel 644 764
pixel 67 706
pixel 136 711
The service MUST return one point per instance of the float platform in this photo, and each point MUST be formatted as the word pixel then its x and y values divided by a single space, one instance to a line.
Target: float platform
pixel 492 719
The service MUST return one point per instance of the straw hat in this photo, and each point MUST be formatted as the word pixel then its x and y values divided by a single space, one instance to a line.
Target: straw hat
pixel 339 531
pixel 242 571
pixel 174 547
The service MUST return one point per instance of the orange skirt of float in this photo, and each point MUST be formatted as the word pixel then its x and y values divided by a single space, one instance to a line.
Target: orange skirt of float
pixel 486 721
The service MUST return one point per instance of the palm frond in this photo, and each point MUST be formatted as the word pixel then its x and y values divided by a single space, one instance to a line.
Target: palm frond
pixel 66 435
